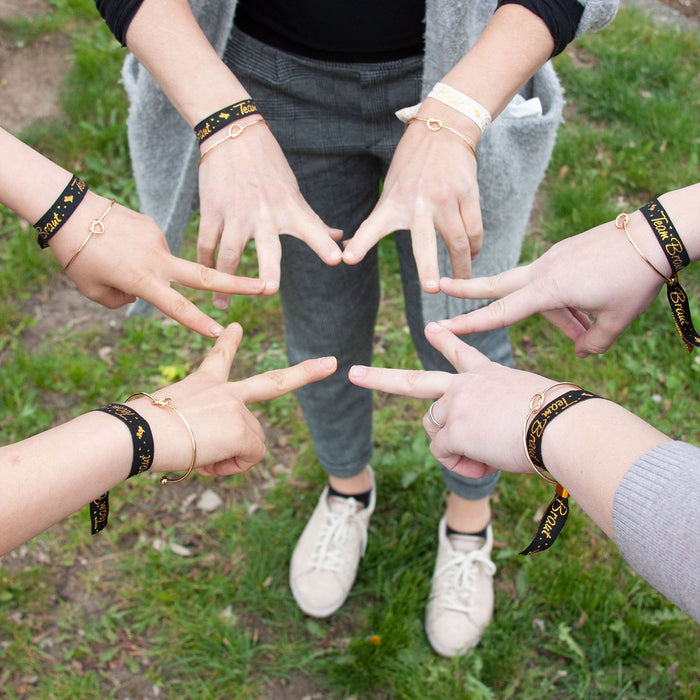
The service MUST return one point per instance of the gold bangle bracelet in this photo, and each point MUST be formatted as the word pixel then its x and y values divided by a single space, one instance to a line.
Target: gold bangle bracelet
pixel 233 132
pixel 621 222
pixel 437 124
pixel 165 403
pixel 96 228
pixel 536 403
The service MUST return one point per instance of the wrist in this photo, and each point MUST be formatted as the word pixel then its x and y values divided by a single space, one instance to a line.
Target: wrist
pixel 433 109
pixel 683 207
pixel 74 231
pixel 651 258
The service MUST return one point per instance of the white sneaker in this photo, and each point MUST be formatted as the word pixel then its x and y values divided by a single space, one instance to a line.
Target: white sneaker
pixel 461 599
pixel 325 560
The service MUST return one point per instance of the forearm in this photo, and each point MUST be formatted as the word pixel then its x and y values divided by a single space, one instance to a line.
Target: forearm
pixel 48 476
pixel 511 49
pixel 590 447
pixel 29 185
pixel 169 43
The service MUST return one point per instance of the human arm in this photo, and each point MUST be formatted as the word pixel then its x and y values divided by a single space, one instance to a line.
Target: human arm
pixel 640 487
pixel 588 448
pixel 51 475
pixel 431 184
pixel 131 259
pixel 595 274
pixel 247 188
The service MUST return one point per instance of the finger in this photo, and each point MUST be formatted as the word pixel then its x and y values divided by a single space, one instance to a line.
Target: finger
pixel 493 287
pixel 569 323
pixel 598 338
pixel 417 383
pixel 228 259
pixel 512 308
pixel 217 362
pixel 336 234
pixel 424 240
pixel 470 210
pixel 453 232
pixel 377 225
pixel 181 309
pixel 461 356
pixel 198 276
pixel 277 382
pixel 322 239
pixel 208 239
pixel 267 245
pixel 110 297
pixel 469 468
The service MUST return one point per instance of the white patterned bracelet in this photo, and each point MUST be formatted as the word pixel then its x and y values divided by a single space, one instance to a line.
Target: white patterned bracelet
pixel 462 103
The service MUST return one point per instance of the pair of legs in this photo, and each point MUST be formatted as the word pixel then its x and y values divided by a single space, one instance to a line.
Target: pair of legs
pixel 336 125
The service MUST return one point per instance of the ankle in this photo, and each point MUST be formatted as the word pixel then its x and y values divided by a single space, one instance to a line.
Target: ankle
pixel 359 484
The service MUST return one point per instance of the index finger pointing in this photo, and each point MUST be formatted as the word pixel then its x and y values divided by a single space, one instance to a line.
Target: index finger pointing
pixel 198 276
pixel 276 382
pixel 405 382
pixel 493 287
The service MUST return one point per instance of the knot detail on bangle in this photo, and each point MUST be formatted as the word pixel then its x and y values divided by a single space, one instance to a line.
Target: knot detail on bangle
pixel 435 125
pixel 166 403
pixel 233 132
pixel 96 227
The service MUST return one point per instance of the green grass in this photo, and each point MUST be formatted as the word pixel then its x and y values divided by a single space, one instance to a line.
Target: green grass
pixel 121 615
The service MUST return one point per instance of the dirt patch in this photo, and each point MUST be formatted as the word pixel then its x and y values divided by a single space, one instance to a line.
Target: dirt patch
pixel 61 305
pixel 10 9
pixel 31 76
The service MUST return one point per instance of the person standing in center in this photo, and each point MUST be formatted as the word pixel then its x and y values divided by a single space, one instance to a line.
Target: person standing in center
pixel 309 164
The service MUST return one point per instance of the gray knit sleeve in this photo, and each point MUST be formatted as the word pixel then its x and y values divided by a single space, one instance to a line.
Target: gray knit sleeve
pixel 596 15
pixel 656 520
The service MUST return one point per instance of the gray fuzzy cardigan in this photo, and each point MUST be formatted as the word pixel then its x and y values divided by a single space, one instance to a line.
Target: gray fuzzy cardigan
pixel 513 154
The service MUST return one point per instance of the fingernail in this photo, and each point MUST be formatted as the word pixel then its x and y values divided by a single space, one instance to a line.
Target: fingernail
pixel 328 362
pixel 337 256
pixel 216 330
pixel 431 285
pixel 221 303
pixel 349 256
pixel 271 286
pixel 432 327
pixel 357 371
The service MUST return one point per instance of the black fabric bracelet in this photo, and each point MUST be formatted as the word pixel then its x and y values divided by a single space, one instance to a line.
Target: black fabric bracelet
pixel 678 258
pixel 547 414
pixel 554 518
pixel 142 440
pixel 60 211
pixel 217 121
pixel 666 234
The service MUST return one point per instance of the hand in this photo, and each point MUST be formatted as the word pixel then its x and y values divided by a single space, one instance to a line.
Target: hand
pixel 248 191
pixel 482 409
pixel 131 259
pixel 591 286
pixel 431 185
pixel 229 438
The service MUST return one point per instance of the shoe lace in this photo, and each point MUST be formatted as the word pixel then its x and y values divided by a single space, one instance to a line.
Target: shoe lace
pixel 458 575
pixel 341 518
